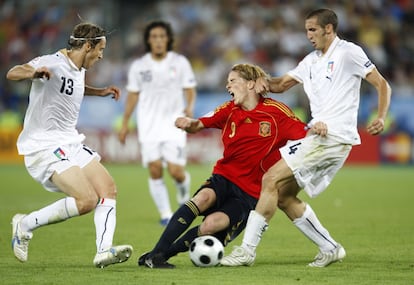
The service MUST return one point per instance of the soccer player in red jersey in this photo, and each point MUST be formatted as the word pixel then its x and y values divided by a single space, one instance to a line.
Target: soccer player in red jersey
pixel 253 129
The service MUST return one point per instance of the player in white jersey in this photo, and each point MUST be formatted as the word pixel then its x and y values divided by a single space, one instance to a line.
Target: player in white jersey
pixel 52 147
pixel 331 76
pixel 165 84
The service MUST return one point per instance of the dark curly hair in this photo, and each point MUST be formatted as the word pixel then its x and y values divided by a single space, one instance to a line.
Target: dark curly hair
pixel 155 24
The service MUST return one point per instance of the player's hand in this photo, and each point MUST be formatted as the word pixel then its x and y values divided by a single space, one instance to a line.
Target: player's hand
pixel 262 85
pixel 114 91
pixel 319 128
pixel 42 72
pixel 122 134
pixel 376 126
pixel 183 123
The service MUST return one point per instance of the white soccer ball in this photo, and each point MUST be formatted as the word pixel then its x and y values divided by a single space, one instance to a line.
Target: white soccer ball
pixel 206 251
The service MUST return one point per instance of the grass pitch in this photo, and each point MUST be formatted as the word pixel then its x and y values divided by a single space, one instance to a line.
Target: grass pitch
pixel 367 209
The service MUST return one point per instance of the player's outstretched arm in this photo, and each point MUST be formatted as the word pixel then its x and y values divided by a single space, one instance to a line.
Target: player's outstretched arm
pixel 106 91
pixel 26 71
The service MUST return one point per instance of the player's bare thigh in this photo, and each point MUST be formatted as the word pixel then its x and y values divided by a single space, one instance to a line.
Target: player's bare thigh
pixel 74 183
pixel 276 176
pixel 100 179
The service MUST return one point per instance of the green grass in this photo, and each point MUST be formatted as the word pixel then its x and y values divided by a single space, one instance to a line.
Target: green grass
pixel 368 209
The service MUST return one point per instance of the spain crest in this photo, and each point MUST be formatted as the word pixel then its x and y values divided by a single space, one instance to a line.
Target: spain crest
pixel 265 129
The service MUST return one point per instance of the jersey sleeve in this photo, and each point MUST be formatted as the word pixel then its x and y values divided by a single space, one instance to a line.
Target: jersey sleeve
pixel 359 62
pixel 300 71
pixel 293 128
pixel 44 60
pixel 188 79
pixel 219 118
pixel 290 126
pixel 133 83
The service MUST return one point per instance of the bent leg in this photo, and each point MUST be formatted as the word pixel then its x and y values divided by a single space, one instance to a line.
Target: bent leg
pixel 105 209
pixel 81 200
pixel 183 217
pixel 277 177
pixel 214 223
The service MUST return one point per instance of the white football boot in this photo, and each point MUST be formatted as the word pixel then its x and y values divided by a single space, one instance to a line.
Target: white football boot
pixel 113 255
pixel 20 240
pixel 238 257
pixel 324 258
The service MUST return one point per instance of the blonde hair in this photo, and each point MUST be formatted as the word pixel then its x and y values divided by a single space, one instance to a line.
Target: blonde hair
pixel 249 71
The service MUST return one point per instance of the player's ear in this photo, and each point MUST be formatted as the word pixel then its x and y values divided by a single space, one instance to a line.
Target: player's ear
pixel 251 84
pixel 87 45
pixel 329 29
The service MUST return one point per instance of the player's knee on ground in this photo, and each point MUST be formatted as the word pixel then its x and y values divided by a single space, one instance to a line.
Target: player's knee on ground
pixel 214 223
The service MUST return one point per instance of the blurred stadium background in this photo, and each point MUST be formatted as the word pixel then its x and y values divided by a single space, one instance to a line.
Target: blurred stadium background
pixel 214 35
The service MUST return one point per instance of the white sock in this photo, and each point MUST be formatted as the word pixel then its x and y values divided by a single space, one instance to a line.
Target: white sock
pixel 159 193
pixel 256 226
pixel 310 226
pixel 105 222
pixel 59 211
pixel 183 189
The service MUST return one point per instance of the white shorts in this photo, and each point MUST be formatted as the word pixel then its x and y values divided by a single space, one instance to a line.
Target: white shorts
pixel 42 164
pixel 314 160
pixel 168 151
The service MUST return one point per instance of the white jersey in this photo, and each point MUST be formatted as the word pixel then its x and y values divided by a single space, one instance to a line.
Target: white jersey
pixel 54 105
pixel 161 97
pixel 332 83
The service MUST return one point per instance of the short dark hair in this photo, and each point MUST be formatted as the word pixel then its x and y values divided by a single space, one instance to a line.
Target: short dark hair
pixel 155 24
pixel 325 17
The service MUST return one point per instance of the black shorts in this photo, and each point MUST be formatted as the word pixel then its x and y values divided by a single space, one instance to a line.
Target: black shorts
pixel 232 201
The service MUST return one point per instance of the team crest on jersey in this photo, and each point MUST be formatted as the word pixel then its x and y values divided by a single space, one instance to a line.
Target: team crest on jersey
pixel 264 129
pixel 146 76
pixel 329 70
pixel 60 153
pixel 330 67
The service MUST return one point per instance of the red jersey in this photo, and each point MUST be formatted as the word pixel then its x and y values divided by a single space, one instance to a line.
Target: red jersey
pixel 252 140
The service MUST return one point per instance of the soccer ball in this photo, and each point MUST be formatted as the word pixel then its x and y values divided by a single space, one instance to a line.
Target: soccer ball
pixel 206 251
